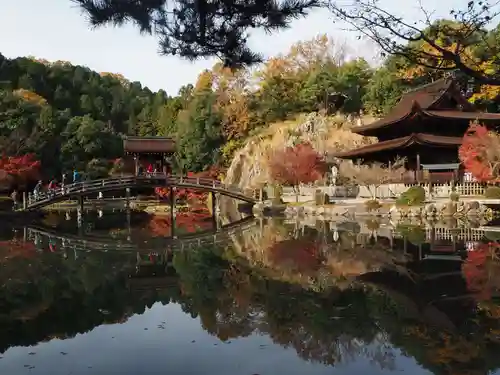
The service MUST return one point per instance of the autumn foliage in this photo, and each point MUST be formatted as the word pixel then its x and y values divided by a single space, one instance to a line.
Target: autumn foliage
pixel 190 195
pixel 191 221
pixel 18 169
pixel 480 153
pixel 300 255
pixel 480 271
pixel 297 164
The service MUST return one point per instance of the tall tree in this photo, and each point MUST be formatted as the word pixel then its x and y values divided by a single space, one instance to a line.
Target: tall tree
pixel 199 135
pixel 428 42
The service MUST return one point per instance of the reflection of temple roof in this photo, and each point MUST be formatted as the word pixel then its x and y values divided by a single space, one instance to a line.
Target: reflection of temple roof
pixel 403 142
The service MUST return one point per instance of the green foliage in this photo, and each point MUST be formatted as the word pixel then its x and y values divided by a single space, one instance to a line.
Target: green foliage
pixel 200 134
pixel 492 192
pixel 413 233
pixel 70 116
pixel 414 196
pixel 454 197
pixel 382 92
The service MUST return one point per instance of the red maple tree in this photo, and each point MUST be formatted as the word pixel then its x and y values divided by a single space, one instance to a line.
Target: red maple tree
pixel 19 169
pixel 480 153
pixel 190 195
pixel 298 164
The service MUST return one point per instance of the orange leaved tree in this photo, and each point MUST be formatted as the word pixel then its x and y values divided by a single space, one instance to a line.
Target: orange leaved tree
pixel 480 153
pixel 295 165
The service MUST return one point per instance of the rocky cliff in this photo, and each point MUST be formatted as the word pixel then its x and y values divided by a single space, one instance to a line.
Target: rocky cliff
pixel 249 167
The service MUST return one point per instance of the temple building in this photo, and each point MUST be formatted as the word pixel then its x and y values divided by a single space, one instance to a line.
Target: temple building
pixel 140 152
pixel 426 127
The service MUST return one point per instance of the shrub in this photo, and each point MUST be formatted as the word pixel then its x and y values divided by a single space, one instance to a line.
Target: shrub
pixel 373 225
pixel 492 236
pixel 414 196
pixel 372 205
pixel 413 233
pixel 454 197
pixel 492 192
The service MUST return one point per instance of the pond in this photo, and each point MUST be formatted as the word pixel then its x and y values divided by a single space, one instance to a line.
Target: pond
pixel 268 297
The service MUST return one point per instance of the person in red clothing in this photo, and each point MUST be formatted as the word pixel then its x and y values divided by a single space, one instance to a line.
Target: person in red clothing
pixel 150 169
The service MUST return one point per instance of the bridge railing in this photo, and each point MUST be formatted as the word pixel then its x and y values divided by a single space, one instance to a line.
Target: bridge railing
pixel 82 186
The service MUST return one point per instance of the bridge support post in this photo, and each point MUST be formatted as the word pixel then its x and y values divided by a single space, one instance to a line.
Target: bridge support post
pixel 80 204
pixel 215 211
pixel 172 211
pixel 129 227
pixel 127 198
pixel 24 200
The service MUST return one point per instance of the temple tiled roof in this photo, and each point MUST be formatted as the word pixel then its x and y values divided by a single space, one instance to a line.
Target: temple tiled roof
pixel 399 143
pixel 148 145
pixel 428 100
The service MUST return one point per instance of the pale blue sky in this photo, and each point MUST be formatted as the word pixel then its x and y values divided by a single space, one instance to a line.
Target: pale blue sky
pixel 55 30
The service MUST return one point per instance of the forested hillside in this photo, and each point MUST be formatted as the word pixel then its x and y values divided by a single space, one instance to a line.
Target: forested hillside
pixel 72 117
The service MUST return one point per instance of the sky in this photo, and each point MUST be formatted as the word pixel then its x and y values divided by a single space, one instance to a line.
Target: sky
pixel 56 30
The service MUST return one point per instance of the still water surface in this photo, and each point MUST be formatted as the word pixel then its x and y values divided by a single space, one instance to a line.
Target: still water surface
pixel 271 298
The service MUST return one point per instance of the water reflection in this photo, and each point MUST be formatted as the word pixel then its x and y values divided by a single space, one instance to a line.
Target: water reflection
pixel 271 297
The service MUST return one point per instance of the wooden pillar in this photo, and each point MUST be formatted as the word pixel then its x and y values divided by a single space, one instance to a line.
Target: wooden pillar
pixel 80 204
pixel 79 215
pixel 129 227
pixel 127 198
pixel 136 161
pixel 418 169
pixel 215 212
pixel 24 200
pixel 172 211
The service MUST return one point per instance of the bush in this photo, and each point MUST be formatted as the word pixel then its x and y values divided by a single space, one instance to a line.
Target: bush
pixel 414 196
pixel 413 233
pixel 372 205
pixel 454 197
pixel 492 192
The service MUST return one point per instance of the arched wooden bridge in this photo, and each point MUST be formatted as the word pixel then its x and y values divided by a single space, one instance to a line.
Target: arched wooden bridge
pixel 85 188
pixel 92 243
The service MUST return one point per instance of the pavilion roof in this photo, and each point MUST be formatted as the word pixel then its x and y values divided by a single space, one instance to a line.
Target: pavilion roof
pixel 148 145
pixel 400 143
pixel 429 100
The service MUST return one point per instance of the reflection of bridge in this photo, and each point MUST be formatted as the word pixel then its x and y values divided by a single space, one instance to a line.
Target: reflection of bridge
pixel 81 189
pixel 79 243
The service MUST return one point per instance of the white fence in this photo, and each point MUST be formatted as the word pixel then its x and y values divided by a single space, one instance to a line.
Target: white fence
pixel 391 191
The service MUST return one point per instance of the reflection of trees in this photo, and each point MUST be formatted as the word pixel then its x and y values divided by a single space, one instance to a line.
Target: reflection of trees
pixel 233 301
pixel 58 297
pixel 482 271
pixel 189 221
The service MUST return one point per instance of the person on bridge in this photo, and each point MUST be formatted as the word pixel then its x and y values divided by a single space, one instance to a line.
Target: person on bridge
pixel 76 175
pixel 38 189
pixel 150 170
pixel 52 187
